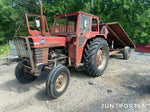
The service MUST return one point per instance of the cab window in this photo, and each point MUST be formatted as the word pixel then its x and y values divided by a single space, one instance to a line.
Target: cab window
pixel 94 25
pixel 84 24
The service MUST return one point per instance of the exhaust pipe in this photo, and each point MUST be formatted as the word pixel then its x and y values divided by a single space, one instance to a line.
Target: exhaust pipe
pixel 42 21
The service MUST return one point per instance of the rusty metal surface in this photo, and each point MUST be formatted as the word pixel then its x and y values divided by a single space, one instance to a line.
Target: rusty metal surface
pixel 58 59
pixel 26 66
pixel 24 50
pixel 114 51
pixel 117 33
pixel 99 57
pixel 82 39
pixel 45 55
pixel 30 54
pixel 114 33
pixel 38 55
pixel 61 82
pixel 48 69
pixel 35 32
pixel 21 49
pixel 42 20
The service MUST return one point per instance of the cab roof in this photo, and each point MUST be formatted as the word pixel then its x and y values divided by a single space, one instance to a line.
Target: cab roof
pixel 75 13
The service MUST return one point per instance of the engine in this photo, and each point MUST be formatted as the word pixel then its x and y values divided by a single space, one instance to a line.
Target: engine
pixel 57 53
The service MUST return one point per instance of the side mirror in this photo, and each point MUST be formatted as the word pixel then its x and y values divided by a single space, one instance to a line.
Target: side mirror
pixel 37 23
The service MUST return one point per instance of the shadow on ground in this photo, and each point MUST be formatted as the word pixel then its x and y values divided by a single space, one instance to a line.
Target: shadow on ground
pixel 81 75
pixel 15 86
pixel 135 89
pixel 117 56
pixel 138 83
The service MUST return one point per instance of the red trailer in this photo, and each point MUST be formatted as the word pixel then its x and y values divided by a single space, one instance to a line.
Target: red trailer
pixel 140 48
pixel 117 38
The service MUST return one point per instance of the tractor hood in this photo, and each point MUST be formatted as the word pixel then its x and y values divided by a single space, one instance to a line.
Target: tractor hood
pixel 46 41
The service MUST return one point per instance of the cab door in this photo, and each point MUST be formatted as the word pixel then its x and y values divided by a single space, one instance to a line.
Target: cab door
pixel 83 35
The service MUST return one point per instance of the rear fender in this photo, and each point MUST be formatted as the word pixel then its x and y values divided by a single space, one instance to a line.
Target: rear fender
pixel 86 42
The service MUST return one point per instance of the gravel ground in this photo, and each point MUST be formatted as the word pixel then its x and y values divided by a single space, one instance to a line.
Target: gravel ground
pixel 124 87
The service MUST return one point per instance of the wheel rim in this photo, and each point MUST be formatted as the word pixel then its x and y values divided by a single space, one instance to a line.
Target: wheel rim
pixel 129 53
pixel 61 82
pixel 101 57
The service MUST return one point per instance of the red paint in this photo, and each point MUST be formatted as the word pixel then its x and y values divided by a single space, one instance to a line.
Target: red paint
pixel 148 45
pixel 140 48
pixel 35 32
pixel 49 41
pixel 72 42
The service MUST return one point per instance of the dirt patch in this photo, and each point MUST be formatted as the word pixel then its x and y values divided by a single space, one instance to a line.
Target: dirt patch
pixel 123 82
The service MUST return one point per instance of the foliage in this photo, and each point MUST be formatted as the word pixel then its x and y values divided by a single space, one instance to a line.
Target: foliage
pixel 133 15
pixel 4 49
pixel 6 30
pixel 142 33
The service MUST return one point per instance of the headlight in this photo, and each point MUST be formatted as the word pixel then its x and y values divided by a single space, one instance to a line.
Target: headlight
pixel 42 41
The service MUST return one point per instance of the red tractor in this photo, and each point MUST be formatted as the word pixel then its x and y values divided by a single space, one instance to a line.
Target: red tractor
pixel 76 39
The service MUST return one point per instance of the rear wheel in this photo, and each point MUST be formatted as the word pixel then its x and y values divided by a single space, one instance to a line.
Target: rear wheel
pixel 126 53
pixel 57 81
pixel 95 57
pixel 22 76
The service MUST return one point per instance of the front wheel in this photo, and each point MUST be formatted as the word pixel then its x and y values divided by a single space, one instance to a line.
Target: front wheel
pixel 57 81
pixel 22 76
pixel 95 57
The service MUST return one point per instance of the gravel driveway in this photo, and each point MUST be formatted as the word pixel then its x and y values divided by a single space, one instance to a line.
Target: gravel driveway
pixel 124 87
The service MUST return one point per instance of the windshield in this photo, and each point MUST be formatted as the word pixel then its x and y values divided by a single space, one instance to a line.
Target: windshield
pixel 34 26
pixel 65 24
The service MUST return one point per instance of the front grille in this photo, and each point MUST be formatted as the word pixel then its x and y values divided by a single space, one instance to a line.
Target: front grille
pixel 38 55
pixel 21 47
pixel 35 55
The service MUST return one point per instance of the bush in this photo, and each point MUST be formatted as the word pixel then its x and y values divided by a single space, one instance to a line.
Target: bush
pixel 4 49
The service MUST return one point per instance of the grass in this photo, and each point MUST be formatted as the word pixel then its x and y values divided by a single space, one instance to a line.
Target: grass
pixel 4 50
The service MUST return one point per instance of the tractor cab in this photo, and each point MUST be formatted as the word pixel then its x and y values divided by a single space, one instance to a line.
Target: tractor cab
pixel 65 25
pixel 77 28
pixel 75 24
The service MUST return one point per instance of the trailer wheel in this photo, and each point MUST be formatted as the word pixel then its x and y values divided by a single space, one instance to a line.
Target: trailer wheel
pixel 126 53
pixel 57 81
pixel 22 76
pixel 95 57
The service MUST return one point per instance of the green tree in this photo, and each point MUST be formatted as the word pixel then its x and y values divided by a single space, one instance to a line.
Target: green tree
pixel 133 15
pixel 6 18
pixel 142 32
pixel 128 13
